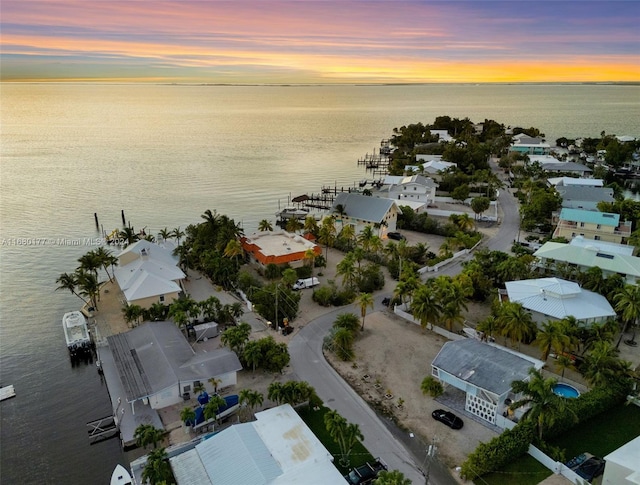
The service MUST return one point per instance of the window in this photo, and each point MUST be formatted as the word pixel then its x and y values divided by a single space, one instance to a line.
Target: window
pixel 598 226
pixel 597 238
pixel 161 298
pixel 582 224
pixel 186 388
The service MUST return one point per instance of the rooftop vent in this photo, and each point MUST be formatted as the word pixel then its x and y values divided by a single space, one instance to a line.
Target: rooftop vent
pixel 604 255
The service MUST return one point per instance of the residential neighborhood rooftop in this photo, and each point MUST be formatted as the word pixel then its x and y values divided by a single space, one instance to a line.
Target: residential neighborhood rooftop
pixel 590 217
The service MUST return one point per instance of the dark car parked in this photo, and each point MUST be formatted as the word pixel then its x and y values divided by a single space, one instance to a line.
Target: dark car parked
pixel 365 474
pixel 448 418
pixel 590 469
pixel 386 301
pixel 395 235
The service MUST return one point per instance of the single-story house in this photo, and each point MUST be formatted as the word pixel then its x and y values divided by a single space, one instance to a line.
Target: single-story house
pixel 278 247
pixel 622 465
pixel 584 253
pixel 361 211
pixel 529 145
pixel 567 181
pixel 147 273
pixel 566 167
pixel 555 299
pixel 584 197
pixel 276 449
pixel 484 372
pixel 443 135
pixel 157 366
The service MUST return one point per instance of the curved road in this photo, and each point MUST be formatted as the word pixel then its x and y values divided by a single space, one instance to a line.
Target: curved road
pixel 310 365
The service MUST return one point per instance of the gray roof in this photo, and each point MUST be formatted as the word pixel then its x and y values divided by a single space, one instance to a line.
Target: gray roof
pixel 565 167
pixel 363 207
pixel 483 365
pixel 585 193
pixel 156 356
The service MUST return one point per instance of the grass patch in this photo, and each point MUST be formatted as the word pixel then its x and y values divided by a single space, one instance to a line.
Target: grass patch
pixel 315 420
pixel 526 470
pixel 602 434
pixel 599 436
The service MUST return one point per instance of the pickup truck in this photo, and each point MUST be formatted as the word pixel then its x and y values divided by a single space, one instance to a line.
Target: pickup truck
pixel 305 283
pixel 365 474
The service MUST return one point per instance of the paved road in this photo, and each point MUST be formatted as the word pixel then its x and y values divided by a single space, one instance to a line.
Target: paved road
pixel 399 451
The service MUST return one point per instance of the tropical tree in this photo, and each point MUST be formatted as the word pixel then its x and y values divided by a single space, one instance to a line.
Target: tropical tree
pixel 178 234
pixel 309 259
pixel 236 337
pixel 349 321
pixel 426 306
pixel 90 262
pixel 88 286
pixel 294 225
pixel 147 434
pixel 211 408
pixel 157 470
pixel 348 270
pixel 132 313
pixel 265 225
pixel 251 399
pixel 311 225
pixel 348 234
pixel 69 282
pixel 365 238
pixel 601 364
pixel 327 234
pixel 544 405
pixel 164 233
pixel 188 414
pixel 215 382
pixel 344 433
pixel 106 260
pixel 233 249
pixel 628 305
pixel 551 337
pixel 128 234
pixel 391 477
pixel 563 363
pixel 406 288
pixel 365 300
pixel 430 385
pixel 515 322
pixel 252 354
pixel 342 340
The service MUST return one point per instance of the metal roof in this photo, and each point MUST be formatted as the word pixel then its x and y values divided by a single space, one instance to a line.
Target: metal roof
pixel 607 259
pixel 363 207
pixel 590 217
pixel 156 356
pixel 585 193
pixel 558 298
pixel 482 365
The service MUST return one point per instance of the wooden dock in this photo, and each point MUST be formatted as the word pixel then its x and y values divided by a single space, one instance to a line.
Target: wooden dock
pixel 7 392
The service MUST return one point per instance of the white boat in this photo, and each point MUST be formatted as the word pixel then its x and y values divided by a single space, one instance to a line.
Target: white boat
pixel 120 476
pixel 291 213
pixel 76 332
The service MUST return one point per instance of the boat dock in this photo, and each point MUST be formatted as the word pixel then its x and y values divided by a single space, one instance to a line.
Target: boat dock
pixel 7 392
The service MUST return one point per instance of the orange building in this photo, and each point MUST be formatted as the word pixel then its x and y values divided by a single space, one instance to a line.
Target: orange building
pixel 278 247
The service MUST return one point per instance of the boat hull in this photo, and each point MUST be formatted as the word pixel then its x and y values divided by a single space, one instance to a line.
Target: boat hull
pixel 120 476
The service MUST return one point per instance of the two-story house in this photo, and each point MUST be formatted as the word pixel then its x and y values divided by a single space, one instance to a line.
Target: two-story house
pixel 599 226
pixel 361 211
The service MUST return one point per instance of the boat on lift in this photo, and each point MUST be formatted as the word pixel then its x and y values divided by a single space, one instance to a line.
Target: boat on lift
pixel 76 333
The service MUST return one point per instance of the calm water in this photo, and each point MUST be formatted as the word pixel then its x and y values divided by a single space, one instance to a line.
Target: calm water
pixel 165 154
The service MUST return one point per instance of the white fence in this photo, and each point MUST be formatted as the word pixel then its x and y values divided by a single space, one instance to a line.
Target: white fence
pixel 556 467
pixel 397 309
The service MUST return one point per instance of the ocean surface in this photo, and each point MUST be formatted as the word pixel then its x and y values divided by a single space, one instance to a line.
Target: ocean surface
pixel 164 154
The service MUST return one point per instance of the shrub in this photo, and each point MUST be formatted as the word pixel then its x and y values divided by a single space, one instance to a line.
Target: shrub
pixel 324 295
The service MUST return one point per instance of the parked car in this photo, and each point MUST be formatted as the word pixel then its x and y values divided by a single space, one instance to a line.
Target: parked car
pixel 396 235
pixel 448 418
pixel 386 301
pixel 591 468
pixel 365 474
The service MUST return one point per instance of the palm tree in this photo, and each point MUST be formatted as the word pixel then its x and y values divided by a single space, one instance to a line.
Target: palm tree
pixel 391 477
pixel 188 414
pixel 129 235
pixel 601 364
pixel 551 337
pixel 341 210
pixel 430 385
pixel 90 262
pixel 215 382
pixel 365 238
pixel 309 258
pixel 147 434
pixel 426 306
pixel 164 233
pixel 544 405
pixel 406 288
pixel 275 392
pixel 233 249
pixel 211 408
pixel 132 313
pixel 311 225
pixel 347 269
pixel 265 225
pixel 628 305
pixel 294 225
pixel 69 282
pixel 157 469
pixel 348 234
pixel 563 363
pixel 252 354
pixel 251 398
pixel 365 300
pixel 342 341
pixel 343 433
pixel 89 286
pixel 178 234
pixel 327 234
pixel 106 259
pixel 515 322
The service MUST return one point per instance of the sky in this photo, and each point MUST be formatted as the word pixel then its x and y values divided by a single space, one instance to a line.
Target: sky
pixel 313 41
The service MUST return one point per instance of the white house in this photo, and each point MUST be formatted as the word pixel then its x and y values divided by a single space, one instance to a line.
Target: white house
pixel 484 372
pixel 157 366
pixel 568 181
pixel 623 465
pixel 415 188
pixel 361 211
pixel 148 273
pixel 555 299
pixel 276 449
pixel 443 135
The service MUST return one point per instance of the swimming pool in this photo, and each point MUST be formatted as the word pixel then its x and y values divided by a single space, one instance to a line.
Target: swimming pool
pixel 565 390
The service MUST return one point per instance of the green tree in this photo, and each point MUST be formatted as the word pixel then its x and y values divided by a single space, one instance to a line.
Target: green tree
pixel 265 225
pixel 426 306
pixel 515 322
pixel 365 300
pixel 233 250
pixel 178 234
pixel 628 305
pixel 391 477
pixel 327 234
pixel 348 270
pixel 430 385
pixel 350 321
pixel 342 340
pixel 132 313
pixel 251 399
pixel 347 435
pixel 211 408
pixel 188 414
pixel 551 337
pixel 545 407
pixel 157 470
pixel 106 260
pixel 147 434
pixel 88 286
pixel 69 282
pixel 252 354
pixel 236 337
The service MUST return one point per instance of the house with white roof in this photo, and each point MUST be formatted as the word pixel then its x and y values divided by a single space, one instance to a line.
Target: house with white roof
pixel 599 226
pixel 276 449
pixel 566 167
pixel 529 145
pixel 415 188
pixel 555 299
pixel 157 366
pixel 567 181
pixel 586 253
pixel 361 211
pixel 622 465
pixel 443 135
pixel 484 372
pixel 148 273
pixel 278 247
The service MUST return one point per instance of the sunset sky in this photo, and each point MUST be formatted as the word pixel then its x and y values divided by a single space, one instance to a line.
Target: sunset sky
pixel 305 41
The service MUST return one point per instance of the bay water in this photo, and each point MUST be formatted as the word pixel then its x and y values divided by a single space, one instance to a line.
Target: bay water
pixel 164 154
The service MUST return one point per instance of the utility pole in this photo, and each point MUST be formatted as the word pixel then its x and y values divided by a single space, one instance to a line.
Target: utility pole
pixel 431 453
